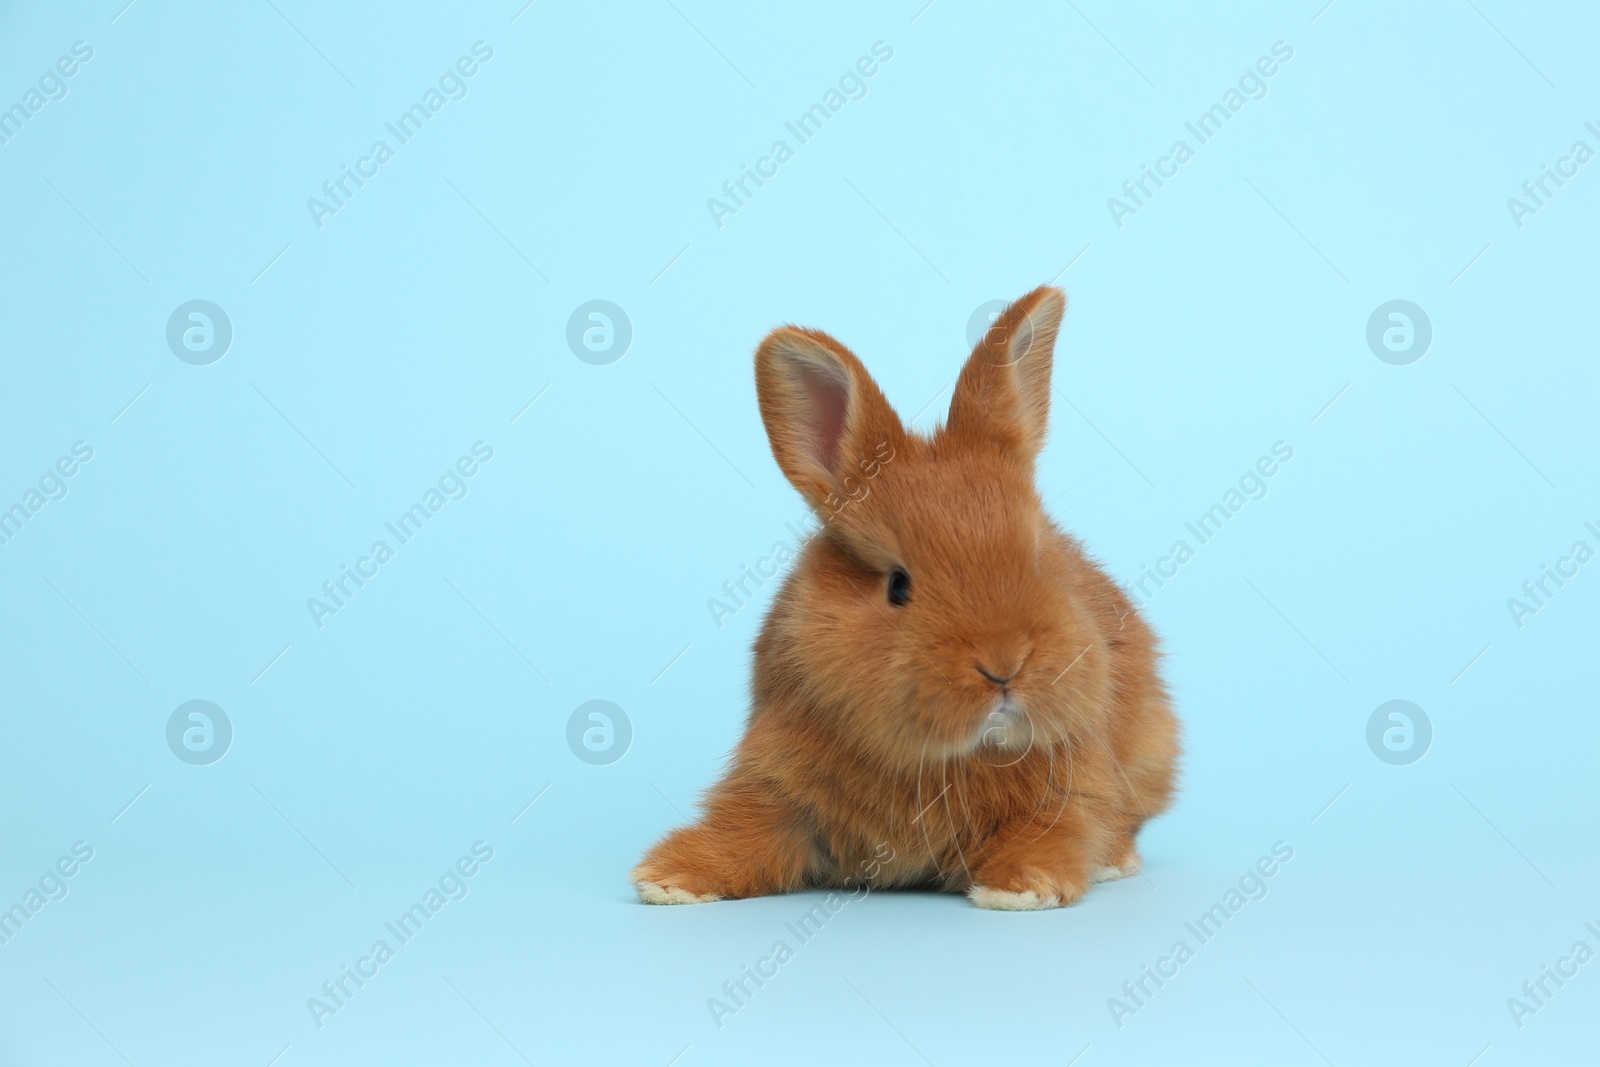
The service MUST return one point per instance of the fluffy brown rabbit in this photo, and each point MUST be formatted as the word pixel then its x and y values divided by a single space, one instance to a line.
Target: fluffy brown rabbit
pixel 945 678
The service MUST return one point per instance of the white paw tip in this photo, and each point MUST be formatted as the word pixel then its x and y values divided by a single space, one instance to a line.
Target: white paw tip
pixel 1110 874
pixel 656 893
pixel 1007 900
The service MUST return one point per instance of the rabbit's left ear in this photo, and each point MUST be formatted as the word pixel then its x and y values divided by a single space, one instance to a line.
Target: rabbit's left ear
pixel 1004 390
pixel 825 416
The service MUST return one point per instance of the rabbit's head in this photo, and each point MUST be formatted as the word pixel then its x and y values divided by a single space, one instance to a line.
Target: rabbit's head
pixel 935 616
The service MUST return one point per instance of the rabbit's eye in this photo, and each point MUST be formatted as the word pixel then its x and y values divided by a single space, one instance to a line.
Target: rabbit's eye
pixel 899 588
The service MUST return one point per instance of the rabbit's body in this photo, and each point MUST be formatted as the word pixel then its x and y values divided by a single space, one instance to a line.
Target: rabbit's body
pixel 948 692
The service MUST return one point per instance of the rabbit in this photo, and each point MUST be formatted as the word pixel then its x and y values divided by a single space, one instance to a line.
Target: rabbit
pixel 947 690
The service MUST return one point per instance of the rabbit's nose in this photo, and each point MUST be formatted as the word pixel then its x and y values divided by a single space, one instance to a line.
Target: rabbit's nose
pixel 1001 682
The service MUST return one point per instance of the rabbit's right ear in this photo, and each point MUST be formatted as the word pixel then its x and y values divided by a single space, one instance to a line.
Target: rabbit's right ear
pixel 824 414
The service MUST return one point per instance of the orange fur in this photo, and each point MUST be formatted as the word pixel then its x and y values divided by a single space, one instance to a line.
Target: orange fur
pixel 871 730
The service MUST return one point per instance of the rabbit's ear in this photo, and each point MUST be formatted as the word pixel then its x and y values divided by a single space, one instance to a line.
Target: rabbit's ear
pixel 1004 390
pixel 824 414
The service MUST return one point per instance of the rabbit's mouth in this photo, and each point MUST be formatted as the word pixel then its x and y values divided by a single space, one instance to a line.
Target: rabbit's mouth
pixel 1008 727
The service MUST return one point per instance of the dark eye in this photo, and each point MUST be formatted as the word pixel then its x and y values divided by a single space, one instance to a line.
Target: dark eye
pixel 899 588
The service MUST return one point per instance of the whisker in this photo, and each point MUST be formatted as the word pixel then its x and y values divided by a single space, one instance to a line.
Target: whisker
pixel 927 838
pixel 955 839
pixel 962 772
pixel 1049 789
pixel 1126 781
pixel 1066 794
pixel 1071 665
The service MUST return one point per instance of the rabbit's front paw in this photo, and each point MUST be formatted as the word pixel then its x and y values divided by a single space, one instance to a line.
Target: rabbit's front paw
pixel 666 893
pixel 1025 891
pixel 1128 865
pixel 748 845
pixel 662 883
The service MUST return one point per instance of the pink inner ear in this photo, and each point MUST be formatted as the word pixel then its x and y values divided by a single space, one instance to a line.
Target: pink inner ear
pixel 828 401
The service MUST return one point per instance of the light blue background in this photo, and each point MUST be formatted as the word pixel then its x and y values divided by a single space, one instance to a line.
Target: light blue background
pixel 1227 314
